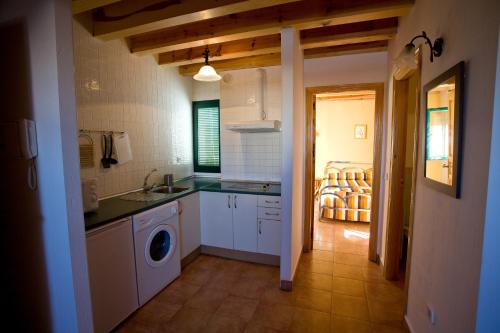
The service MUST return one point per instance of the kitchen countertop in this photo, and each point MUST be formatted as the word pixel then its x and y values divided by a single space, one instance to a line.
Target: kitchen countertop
pixel 114 208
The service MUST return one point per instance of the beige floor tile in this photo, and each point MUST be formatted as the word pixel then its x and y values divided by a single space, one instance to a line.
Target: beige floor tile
pixel 350 306
pixel 349 325
pixel 313 280
pixel 234 306
pixel 314 299
pixel 277 316
pixel 187 320
pixel 207 299
pixel 348 287
pixel 305 320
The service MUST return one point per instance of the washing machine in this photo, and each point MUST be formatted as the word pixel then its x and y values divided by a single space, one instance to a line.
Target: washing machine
pixel 157 249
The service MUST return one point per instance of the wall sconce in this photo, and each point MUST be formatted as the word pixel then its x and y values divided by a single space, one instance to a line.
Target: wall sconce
pixel 436 47
pixel 406 62
pixel 207 73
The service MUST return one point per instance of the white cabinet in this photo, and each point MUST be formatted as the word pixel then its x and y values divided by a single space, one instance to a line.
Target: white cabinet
pixel 216 219
pixel 189 223
pixel 245 222
pixel 112 278
pixel 269 240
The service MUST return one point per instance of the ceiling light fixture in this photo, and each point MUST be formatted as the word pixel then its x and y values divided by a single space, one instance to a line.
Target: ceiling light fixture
pixel 207 73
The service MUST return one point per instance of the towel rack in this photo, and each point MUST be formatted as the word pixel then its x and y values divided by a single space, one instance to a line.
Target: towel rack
pixel 101 131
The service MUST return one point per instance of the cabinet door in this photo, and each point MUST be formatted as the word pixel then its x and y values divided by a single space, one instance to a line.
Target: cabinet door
pixel 112 278
pixel 269 240
pixel 245 222
pixel 216 219
pixel 189 223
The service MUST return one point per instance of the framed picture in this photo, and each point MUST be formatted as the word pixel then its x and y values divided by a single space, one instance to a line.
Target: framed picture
pixel 360 131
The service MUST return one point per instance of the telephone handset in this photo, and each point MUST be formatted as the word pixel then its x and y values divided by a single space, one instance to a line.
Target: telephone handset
pixel 27 139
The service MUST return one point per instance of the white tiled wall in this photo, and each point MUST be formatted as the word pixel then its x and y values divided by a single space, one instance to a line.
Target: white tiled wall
pixel 119 91
pixel 250 156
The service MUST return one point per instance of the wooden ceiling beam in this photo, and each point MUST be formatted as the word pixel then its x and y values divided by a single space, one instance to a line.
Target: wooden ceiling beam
pixel 265 60
pixel 167 13
pixel 303 15
pixel 274 59
pixel 223 51
pixel 80 6
pixel 333 51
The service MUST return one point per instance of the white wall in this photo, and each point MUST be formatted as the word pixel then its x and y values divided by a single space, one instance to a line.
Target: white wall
pixel 205 91
pixel 53 294
pixel 448 232
pixel 347 69
pixel 250 156
pixel 489 289
pixel 133 94
pixel 293 124
pixel 335 141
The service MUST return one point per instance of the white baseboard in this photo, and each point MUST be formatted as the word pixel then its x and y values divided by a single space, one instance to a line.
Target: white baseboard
pixel 408 325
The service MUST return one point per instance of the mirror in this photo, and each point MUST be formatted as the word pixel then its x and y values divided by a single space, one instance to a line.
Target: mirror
pixel 443 117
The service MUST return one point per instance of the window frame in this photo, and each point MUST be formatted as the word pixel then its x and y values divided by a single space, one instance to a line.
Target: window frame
pixel 198 105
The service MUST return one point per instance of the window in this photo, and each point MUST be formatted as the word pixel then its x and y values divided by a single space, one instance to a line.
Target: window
pixel 437 134
pixel 206 136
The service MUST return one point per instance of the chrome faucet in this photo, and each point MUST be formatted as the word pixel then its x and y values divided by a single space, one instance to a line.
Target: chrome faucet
pixel 145 186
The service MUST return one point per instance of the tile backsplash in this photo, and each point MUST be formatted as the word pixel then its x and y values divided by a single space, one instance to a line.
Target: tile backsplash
pixel 119 91
pixel 250 156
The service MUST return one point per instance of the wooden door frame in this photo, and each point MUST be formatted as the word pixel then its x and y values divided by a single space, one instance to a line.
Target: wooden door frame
pixel 310 165
pixel 395 195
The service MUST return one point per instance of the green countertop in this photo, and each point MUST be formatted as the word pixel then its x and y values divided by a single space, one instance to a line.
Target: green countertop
pixel 114 208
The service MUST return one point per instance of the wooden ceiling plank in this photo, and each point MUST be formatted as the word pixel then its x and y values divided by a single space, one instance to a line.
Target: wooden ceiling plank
pixel 223 51
pixel 349 38
pixel 80 6
pixel 304 15
pixel 233 64
pixel 186 11
pixel 333 51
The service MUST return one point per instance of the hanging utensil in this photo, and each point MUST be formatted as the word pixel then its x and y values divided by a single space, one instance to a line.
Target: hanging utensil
pixel 104 147
pixel 111 159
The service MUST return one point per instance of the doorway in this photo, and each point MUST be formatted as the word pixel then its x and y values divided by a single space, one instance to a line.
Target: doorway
pixel 342 189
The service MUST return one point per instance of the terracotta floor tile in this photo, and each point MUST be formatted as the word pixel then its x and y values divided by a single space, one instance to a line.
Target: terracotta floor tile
pixel 196 275
pixel 257 328
pixel 178 292
pixel 350 259
pixel 274 295
pixel 207 262
pixel 384 292
pixel 277 316
pixel 326 246
pixel 313 280
pixel 250 288
pixel 349 325
pixel 261 272
pixel 322 255
pixel 348 286
pixel 305 320
pixel 223 280
pixel 316 266
pixel 350 306
pixel 153 313
pixel 348 271
pixel 314 299
pixel 234 306
pixel 132 326
pixel 376 328
pixel 391 314
pixel 225 324
pixel 207 299
pixel 187 320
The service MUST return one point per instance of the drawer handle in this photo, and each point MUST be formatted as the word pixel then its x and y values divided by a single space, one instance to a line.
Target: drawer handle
pixel 228 201
pixel 260 227
pixel 267 201
pixel 235 206
pixel 270 214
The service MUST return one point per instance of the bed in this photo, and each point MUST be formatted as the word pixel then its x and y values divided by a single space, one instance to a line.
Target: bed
pixel 345 194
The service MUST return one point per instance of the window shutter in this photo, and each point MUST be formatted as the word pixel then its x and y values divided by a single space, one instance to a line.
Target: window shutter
pixel 206 136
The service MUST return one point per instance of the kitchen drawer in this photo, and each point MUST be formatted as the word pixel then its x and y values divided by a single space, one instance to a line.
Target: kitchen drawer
pixel 269 201
pixel 269 213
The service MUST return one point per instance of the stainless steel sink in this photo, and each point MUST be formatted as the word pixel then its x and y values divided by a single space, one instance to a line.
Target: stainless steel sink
pixel 169 189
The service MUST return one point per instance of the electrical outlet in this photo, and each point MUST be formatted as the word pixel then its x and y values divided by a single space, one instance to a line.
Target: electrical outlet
pixel 431 314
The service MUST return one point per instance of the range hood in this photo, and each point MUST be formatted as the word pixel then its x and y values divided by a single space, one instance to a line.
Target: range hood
pixel 257 126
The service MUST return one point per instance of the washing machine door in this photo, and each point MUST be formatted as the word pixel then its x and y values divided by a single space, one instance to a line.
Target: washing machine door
pixel 160 245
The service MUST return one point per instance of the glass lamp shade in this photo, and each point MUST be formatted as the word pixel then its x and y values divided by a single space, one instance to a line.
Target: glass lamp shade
pixel 405 63
pixel 207 73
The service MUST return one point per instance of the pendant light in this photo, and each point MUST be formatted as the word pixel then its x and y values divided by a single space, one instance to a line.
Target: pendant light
pixel 207 73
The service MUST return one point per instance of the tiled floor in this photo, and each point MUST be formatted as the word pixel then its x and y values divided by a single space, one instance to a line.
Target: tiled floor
pixel 336 289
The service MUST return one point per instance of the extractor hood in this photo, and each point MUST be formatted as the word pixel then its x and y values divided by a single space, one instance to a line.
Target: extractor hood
pixel 257 126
